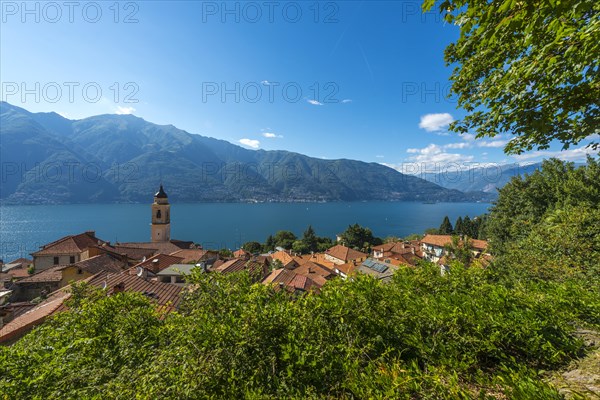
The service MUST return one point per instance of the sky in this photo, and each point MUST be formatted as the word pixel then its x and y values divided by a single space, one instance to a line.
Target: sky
pixel 360 80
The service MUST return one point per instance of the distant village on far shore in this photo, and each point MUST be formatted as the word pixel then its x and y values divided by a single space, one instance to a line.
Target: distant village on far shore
pixel 32 290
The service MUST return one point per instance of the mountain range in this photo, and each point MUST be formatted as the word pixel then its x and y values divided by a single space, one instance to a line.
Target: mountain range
pixel 487 178
pixel 49 159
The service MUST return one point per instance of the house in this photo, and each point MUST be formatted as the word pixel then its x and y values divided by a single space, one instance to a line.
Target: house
pixel 56 277
pixel 434 247
pixel 194 256
pixel 283 279
pixel 67 250
pixel 13 272
pixel 377 269
pixel 408 253
pixel 317 272
pixel 286 259
pixel 20 263
pixel 155 264
pixel 165 296
pixel 241 253
pixel 340 254
pixel 176 273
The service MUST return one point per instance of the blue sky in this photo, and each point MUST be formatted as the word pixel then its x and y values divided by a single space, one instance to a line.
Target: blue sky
pixel 345 79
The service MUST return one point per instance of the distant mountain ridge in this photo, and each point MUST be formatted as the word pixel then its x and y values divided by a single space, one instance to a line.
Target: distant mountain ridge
pixel 488 178
pixel 49 159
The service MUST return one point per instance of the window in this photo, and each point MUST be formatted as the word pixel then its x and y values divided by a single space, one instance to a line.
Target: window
pixel 55 260
pixel 72 260
pixel 158 215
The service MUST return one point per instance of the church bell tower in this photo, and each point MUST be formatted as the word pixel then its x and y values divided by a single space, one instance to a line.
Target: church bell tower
pixel 161 218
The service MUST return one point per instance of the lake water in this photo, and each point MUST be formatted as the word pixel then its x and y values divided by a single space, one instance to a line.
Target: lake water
pixel 216 225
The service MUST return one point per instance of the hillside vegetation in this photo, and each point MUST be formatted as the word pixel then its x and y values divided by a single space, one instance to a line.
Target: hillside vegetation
pixel 498 332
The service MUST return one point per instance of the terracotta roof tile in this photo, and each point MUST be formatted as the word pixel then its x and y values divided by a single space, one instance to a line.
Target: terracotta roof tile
pixel 52 274
pixel 442 240
pixel 286 259
pixel 69 244
pixel 102 262
pixel 345 253
pixel 290 280
pixel 190 255
pixel 158 262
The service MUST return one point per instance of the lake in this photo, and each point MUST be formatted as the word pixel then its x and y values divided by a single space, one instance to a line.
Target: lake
pixel 216 225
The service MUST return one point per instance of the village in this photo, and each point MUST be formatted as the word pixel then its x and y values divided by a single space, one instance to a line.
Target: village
pixel 31 290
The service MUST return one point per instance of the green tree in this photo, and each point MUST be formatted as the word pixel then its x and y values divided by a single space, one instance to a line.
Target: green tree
pixel 300 247
pixel 460 250
pixel 284 239
pixel 269 244
pixel 525 201
pixel 252 247
pixel 310 239
pixel 459 229
pixel 526 68
pixel 446 227
pixel 360 238
pixel 225 253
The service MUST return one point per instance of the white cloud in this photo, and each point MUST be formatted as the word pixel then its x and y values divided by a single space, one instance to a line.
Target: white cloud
pixel 577 154
pixel 266 83
pixel 255 144
pixel 315 102
pixel 435 122
pixel 380 156
pixel 492 143
pixel 436 154
pixel 461 145
pixel 346 101
pixel 124 110
pixel 271 135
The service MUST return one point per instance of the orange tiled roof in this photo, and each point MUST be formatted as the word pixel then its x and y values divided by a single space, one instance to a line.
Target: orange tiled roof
pixel 240 253
pixel 315 271
pixel 286 259
pixel 189 255
pixel 157 263
pixel 437 240
pixel 479 244
pixel 52 274
pixel 69 244
pixel 347 269
pixel 135 253
pixel 318 258
pixel 290 280
pixel 102 262
pixel 233 265
pixel 345 253
pixel 442 240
